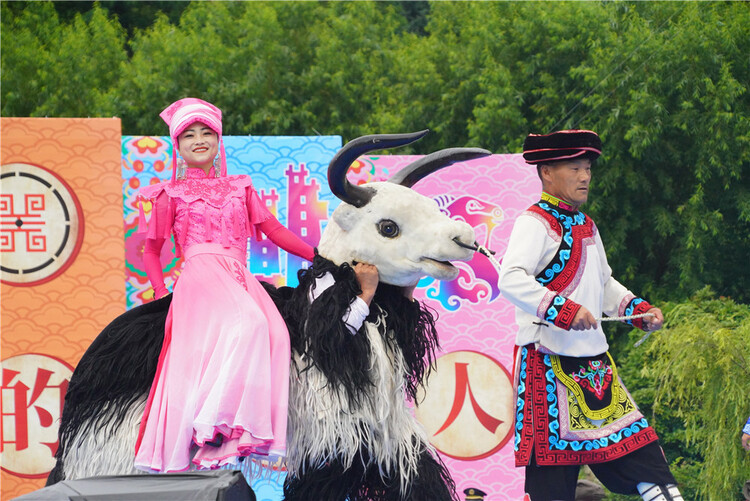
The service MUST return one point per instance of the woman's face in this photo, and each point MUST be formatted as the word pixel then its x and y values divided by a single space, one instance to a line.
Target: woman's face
pixel 198 145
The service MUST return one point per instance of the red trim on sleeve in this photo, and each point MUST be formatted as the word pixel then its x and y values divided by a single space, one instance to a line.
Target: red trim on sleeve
pixel 567 313
pixel 641 307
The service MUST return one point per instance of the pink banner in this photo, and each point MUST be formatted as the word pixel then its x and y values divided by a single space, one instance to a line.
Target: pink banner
pixel 469 404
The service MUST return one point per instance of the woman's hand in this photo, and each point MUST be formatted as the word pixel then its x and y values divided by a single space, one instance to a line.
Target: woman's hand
pixel 368 278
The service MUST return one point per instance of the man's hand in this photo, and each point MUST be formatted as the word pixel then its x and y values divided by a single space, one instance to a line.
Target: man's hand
pixel 368 278
pixel 583 320
pixel 746 442
pixel 653 323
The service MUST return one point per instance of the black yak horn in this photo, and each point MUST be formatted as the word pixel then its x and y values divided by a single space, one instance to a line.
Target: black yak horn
pixel 428 164
pixel 339 166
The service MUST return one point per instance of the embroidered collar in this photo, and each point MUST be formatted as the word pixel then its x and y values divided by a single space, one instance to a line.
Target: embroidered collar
pixel 557 202
pixel 198 173
pixel 216 192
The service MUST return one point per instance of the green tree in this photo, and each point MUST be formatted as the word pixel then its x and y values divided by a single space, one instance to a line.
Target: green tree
pixel 25 36
pixel 673 184
pixel 696 372
pixel 246 57
pixel 54 69
pixel 349 85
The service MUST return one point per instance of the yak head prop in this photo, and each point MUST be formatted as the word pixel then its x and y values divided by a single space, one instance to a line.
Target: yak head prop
pixel 389 225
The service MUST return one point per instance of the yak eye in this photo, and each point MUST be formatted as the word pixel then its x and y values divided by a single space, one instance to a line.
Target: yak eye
pixel 388 228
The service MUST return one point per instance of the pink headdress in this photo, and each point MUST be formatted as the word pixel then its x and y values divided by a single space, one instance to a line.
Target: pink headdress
pixel 185 112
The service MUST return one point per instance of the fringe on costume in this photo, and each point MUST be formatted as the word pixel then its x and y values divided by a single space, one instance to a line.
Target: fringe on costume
pixel 411 325
pixel 318 334
pixel 106 450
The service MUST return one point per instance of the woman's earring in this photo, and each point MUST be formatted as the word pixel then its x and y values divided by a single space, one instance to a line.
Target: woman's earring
pixel 181 166
pixel 217 166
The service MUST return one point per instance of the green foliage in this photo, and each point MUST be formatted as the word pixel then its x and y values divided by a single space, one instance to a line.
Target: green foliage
pixel 54 69
pixel 676 164
pixel 24 37
pixel 664 83
pixel 691 380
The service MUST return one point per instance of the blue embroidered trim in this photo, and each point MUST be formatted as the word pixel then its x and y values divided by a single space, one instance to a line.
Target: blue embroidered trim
pixel 577 445
pixel 557 305
pixel 519 400
pixel 631 307
pixel 567 222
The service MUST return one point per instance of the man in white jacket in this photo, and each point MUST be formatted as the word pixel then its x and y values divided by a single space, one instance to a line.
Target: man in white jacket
pixel 572 408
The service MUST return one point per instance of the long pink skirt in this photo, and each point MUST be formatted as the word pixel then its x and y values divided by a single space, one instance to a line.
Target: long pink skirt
pixel 223 369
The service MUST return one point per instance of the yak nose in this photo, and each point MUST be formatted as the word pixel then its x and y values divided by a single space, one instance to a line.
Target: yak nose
pixel 474 246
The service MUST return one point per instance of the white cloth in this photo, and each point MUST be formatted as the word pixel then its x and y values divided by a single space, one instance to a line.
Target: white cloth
pixel 532 245
pixel 357 312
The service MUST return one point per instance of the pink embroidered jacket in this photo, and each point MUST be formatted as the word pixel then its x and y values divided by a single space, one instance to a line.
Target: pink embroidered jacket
pixel 202 209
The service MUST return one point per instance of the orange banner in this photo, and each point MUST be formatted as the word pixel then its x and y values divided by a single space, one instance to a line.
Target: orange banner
pixel 62 261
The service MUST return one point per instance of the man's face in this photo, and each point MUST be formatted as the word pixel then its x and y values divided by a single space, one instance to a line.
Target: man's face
pixel 568 180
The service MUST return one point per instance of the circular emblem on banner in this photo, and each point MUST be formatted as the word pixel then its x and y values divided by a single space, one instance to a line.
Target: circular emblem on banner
pixel 33 393
pixel 42 224
pixel 467 407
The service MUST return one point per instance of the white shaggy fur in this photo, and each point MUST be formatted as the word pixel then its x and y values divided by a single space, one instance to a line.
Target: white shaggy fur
pixel 111 451
pixel 105 451
pixel 323 427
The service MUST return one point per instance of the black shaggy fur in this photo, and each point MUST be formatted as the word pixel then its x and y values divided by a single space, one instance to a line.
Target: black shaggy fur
pixel 335 482
pixel 116 370
pixel 413 326
pixel 317 332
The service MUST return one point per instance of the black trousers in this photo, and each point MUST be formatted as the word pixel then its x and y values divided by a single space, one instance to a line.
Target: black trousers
pixel 622 475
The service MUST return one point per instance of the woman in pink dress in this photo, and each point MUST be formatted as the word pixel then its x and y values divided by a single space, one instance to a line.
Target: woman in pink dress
pixel 221 385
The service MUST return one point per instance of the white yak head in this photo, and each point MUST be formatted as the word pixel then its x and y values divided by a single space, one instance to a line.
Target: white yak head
pixel 391 226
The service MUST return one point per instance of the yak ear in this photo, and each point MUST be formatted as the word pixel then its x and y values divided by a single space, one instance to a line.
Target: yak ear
pixel 345 216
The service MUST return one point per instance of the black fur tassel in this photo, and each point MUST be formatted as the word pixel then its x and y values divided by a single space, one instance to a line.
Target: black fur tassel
pixel 317 331
pixel 116 370
pixel 413 325
pixel 334 482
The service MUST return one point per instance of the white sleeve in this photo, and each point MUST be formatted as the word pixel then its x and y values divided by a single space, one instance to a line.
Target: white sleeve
pixel 357 312
pixel 517 281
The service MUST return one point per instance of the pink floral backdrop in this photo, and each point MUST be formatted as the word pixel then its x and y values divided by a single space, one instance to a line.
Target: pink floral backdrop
pixel 468 406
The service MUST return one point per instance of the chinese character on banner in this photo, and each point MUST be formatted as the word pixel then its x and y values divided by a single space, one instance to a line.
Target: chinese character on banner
pixel 33 393
pixel 467 407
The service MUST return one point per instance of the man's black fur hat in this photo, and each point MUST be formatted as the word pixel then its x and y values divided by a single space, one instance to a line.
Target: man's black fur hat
pixel 561 145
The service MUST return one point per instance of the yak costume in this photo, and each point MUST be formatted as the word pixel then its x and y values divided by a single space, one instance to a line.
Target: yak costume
pixel 352 434
pixel 572 407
